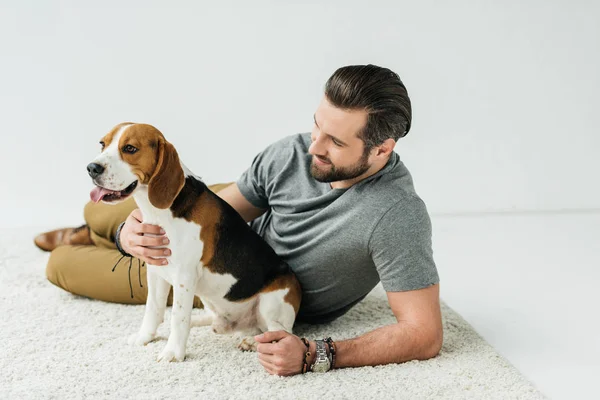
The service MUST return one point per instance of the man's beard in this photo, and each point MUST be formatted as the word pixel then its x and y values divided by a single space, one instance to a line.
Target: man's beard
pixel 334 174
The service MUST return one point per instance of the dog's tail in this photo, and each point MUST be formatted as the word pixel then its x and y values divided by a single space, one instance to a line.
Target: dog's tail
pixel 203 317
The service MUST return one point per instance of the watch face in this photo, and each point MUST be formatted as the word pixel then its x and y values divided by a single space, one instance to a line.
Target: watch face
pixel 321 367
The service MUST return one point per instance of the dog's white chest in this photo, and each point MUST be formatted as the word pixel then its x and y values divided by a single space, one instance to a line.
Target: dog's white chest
pixel 185 262
pixel 184 241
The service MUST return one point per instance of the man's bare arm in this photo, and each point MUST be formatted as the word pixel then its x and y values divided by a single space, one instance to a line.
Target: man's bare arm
pixel 417 335
pixel 232 195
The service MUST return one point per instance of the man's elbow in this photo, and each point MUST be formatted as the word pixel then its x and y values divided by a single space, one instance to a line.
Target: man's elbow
pixel 432 345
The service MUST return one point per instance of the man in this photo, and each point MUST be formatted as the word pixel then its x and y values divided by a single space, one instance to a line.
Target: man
pixel 339 206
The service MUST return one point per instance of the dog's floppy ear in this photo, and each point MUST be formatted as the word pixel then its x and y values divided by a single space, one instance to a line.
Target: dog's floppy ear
pixel 167 179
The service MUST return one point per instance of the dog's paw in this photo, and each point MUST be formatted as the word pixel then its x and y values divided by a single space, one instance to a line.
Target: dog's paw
pixel 169 354
pixel 140 339
pixel 247 344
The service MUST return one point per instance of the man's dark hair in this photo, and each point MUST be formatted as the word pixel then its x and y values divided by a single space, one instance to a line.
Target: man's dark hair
pixel 380 92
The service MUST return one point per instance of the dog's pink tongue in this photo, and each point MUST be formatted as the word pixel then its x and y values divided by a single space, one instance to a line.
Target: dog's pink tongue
pixel 97 193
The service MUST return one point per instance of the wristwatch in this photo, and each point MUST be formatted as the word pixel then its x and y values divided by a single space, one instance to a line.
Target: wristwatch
pixel 322 363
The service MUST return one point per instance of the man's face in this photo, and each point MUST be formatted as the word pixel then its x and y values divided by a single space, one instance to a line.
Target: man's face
pixel 338 153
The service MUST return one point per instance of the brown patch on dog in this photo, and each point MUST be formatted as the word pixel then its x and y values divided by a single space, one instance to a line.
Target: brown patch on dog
pixel 108 138
pixel 208 216
pixel 287 281
pixel 146 139
pixel 168 178
pixel 198 204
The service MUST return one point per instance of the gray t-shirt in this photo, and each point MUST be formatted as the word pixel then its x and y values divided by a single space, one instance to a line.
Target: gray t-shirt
pixel 340 242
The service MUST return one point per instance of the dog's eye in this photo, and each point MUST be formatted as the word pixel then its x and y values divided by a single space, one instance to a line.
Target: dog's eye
pixel 102 144
pixel 129 149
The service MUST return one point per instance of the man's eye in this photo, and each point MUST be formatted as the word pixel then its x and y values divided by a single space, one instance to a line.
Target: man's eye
pixel 336 143
pixel 129 149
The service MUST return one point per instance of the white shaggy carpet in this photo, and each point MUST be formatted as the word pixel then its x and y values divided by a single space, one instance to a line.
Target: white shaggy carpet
pixel 57 345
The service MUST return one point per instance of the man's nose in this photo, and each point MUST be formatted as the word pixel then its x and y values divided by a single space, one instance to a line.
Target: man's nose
pixel 95 169
pixel 316 147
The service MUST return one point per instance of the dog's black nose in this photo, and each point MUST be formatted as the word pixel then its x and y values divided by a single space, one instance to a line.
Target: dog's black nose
pixel 95 169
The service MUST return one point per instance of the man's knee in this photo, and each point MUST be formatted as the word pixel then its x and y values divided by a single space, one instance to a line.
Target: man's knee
pixel 88 211
pixel 56 266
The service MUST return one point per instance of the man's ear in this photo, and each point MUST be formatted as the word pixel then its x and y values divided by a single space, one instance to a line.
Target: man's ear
pixel 386 148
pixel 167 179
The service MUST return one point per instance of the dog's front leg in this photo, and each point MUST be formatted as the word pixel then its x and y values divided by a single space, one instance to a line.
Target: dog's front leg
pixel 156 303
pixel 184 287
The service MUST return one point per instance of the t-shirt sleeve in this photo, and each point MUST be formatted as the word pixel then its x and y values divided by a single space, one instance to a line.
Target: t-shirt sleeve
pixel 256 182
pixel 400 246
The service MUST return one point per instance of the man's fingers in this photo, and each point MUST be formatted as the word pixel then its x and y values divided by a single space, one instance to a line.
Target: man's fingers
pixel 137 214
pixel 266 348
pixel 271 336
pixel 148 246
pixel 135 220
pixel 145 254
pixel 154 261
pixel 275 368
pixel 152 229
pixel 270 368
pixel 269 358
pixel 152 241
pixel 147 261
pixel 153 253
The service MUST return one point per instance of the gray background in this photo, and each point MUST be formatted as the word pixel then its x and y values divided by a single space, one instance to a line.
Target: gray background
pixel 504 93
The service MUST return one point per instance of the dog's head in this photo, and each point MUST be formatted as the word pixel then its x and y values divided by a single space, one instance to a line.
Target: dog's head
pixel 134 156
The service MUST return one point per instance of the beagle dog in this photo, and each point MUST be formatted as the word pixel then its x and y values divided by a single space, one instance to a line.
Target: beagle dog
pixel 245 287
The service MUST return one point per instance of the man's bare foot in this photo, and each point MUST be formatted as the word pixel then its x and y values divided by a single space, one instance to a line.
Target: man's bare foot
pixel 48 241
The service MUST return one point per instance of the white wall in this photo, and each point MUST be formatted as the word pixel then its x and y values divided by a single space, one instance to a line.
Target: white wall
pixel 504 93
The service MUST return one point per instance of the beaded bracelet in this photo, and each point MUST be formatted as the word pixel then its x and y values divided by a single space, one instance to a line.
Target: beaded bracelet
pixel 306 355
pixel 332 350
pixel 118 243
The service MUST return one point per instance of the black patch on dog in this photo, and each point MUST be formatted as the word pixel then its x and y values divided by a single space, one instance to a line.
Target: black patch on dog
pixel 185 202
pixel 239 250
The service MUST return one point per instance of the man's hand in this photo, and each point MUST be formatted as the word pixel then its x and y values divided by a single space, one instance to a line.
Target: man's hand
pixel 140 239
pixel 284 357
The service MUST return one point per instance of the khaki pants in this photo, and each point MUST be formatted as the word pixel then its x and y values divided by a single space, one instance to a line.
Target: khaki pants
pixel 87 270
